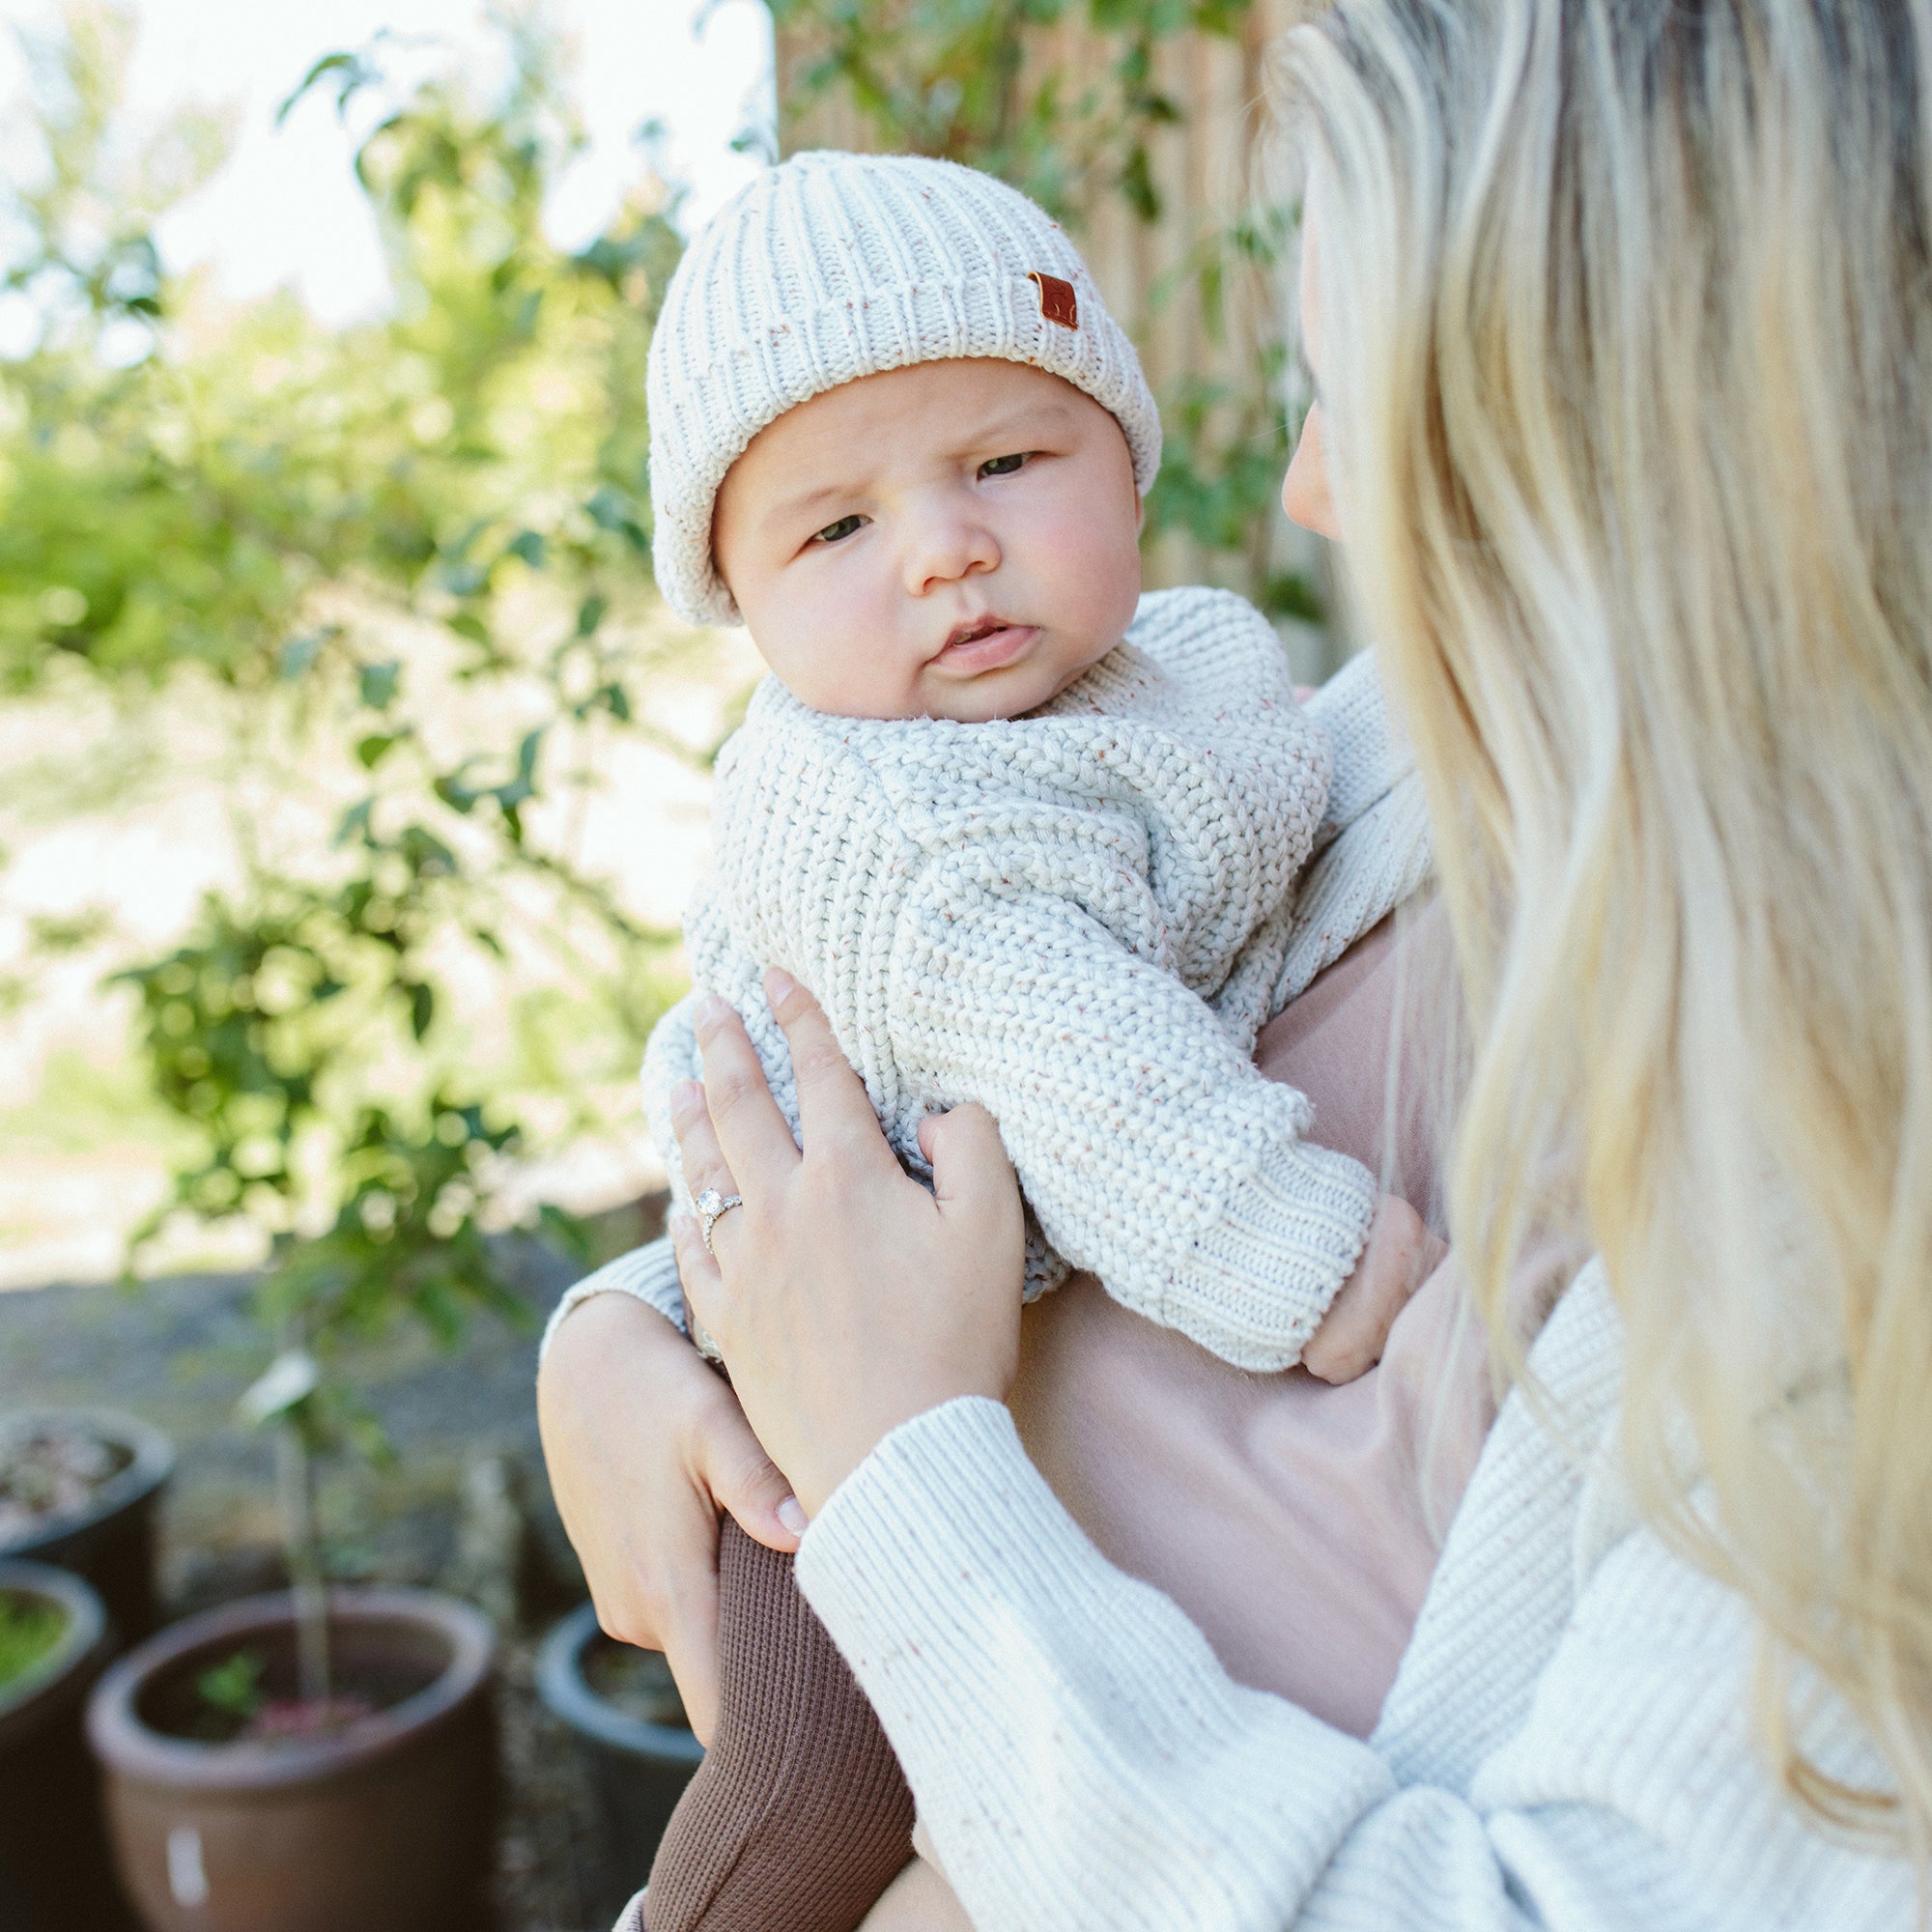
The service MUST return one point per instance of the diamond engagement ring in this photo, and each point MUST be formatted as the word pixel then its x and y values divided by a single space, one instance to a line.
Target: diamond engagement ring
pixel 711 1206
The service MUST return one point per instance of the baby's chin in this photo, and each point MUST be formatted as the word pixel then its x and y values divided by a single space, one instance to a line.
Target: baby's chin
pixel 1012 692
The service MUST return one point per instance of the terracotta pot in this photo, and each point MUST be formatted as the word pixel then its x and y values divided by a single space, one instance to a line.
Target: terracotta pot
pixel 386 1826
pixel 111 1540
pixel 56 1874
pixel 638 1770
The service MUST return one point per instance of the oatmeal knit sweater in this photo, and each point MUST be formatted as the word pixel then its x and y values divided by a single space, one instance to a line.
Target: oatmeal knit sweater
pixel 1566 1744
pixel 1372 853
pixel 1080 920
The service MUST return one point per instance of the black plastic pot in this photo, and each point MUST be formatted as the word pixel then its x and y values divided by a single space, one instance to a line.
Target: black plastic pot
pixel 386 1826
pixel 110 1541
pixel 55 1871
pixel 638 1770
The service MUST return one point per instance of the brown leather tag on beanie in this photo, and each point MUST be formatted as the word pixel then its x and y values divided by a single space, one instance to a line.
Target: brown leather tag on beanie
pixel 1057 300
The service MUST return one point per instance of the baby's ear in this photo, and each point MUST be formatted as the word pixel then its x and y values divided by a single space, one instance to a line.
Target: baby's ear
pixel 1140 514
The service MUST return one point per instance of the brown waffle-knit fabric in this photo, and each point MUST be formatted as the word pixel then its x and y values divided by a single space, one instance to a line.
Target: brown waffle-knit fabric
pixel 798 1817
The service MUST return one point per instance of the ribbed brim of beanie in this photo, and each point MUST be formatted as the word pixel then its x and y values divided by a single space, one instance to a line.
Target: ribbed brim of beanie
pixel 831 267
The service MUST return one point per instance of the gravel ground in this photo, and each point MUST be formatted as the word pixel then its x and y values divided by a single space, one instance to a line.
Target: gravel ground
pixel 178 1352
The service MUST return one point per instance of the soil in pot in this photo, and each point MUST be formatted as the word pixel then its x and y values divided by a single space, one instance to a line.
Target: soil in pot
pixel 237 1805
pixel 78 1489
pixel 55 1870
pixel 639 1752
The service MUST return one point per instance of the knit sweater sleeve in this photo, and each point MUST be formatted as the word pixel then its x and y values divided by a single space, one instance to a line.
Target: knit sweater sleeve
pixel 1372 847
pixel 1080 1758
pixel 1151 1149
pixel 649 1273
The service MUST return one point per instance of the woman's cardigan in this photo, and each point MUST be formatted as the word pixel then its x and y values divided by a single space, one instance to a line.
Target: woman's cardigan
pixel 1565 1744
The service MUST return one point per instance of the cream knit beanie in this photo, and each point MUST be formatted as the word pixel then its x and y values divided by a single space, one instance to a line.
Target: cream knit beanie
pixel 831 267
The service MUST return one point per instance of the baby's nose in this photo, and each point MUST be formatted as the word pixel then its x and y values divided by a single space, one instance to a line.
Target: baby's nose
pixel 947 546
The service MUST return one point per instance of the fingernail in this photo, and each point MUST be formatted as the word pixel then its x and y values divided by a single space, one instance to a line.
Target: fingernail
pixel 792 1516
pixel 708 1014
pixel 778 985
pixel 686 1099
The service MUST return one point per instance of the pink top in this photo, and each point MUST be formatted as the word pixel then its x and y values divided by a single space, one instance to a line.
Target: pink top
pixel 1295 1522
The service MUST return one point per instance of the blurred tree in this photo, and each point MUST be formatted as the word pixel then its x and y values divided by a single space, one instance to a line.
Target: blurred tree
pixel 422 543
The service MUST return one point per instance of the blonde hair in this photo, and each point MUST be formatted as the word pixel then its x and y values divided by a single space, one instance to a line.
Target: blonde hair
pixel 1633 434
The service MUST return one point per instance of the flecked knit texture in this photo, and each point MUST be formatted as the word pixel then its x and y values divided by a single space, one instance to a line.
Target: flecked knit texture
pixel 1566 1746
pixel 1078 919
pixel 832 266
pixel 798 1817
pixel 1373 843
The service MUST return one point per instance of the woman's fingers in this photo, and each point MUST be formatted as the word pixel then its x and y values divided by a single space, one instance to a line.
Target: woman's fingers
pixel 740 1476
pixel 696 1268
pixel 704 1163
pixel 752 1138
pixel 752 1488
pixel 835 1111
pixel 685 1623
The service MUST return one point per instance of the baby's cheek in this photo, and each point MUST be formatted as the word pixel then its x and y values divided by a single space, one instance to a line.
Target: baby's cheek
pixel 1099 565
pixel 837 652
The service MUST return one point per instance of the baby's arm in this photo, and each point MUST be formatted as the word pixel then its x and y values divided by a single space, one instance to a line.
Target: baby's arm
pixel 649 1272
pixel 1151 1149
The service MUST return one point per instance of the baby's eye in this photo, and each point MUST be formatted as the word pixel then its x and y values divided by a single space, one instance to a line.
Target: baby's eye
pixel 1002 466
pixel 837 532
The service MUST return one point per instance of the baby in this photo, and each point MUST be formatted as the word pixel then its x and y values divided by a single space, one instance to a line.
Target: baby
pixel 1032 839
pixel 1029 846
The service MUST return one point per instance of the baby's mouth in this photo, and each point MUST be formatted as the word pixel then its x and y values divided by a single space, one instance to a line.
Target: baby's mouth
pixel 971 634
pixel 985 643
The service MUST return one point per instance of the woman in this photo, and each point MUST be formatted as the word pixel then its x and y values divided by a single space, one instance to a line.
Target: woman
pixel 1629 392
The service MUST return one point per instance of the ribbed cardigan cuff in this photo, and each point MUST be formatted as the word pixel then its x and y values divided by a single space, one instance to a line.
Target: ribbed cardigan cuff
pixel 1260 1276
pixel 649 1273
pixel 1077 1753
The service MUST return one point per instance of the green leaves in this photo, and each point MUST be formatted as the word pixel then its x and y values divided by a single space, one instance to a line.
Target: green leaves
pixel 378 684
pixel 461 793
pixel 954 78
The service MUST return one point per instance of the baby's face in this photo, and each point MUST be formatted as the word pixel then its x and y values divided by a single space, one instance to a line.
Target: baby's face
pixel 953 540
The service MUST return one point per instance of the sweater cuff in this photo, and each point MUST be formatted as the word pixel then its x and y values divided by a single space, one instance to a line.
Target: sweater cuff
pixel 649 1273
pixel 1076 1752
pixel 1260 1276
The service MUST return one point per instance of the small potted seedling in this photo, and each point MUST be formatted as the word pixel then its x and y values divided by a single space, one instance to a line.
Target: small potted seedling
pixel 324 1756
pixel 318 1758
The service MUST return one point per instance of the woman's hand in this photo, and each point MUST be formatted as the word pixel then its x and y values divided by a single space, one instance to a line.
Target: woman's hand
pixel 646 1444
pixel 844 1297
